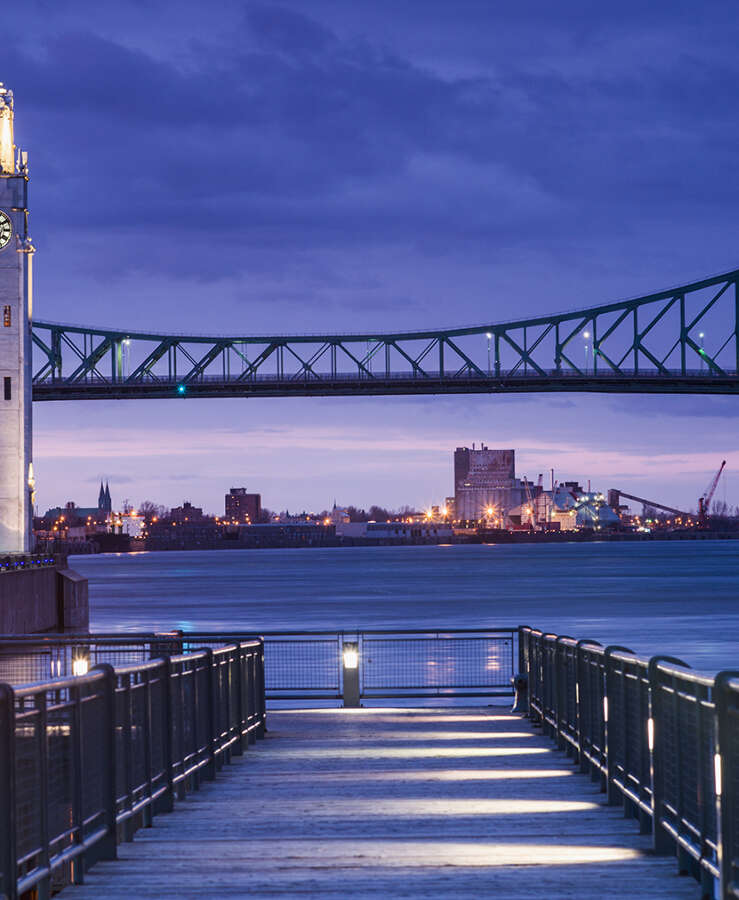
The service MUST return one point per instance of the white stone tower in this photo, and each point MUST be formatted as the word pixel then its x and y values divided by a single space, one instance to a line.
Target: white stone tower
pixel 16 255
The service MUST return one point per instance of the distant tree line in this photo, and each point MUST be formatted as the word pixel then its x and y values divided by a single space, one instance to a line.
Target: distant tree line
pixel 376 513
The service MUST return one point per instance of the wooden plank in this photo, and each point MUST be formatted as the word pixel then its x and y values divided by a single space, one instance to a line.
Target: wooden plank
pixel 385 803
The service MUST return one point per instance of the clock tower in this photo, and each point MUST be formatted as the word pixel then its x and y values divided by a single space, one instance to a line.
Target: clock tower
pixel 16 254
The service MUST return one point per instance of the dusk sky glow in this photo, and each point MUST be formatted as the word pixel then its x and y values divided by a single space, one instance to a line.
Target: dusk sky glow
pixel 325 166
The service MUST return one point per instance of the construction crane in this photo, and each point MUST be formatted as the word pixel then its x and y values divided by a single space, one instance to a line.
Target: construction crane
pixel 704 502
pixel 539 497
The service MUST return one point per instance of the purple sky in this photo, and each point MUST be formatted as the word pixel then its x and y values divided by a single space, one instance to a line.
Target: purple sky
pixel 372 165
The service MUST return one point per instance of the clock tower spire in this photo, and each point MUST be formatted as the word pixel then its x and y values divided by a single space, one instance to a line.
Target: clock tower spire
pixel 16 254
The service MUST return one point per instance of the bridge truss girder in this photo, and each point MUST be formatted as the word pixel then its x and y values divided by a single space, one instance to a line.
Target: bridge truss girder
pixel 652 344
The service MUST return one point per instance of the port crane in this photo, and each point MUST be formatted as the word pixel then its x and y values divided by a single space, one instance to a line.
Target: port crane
pixel 529 501
pixel 704 502
pixel 533 501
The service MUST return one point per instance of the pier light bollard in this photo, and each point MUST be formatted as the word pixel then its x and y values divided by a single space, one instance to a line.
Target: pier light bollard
pixel 350 673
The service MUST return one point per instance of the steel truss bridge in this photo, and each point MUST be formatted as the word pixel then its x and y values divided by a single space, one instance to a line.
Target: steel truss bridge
pixel 683 340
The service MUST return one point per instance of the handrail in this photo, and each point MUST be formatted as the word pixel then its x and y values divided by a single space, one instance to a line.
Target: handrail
pixel 87 760
pixel 660 738
pixel 303 665
pixel 127 637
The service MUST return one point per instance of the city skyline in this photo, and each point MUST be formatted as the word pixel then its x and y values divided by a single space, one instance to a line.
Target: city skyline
pixel 181 489
pixel 362 169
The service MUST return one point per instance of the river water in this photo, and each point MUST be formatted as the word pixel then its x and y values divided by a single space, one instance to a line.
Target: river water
pixel 680 598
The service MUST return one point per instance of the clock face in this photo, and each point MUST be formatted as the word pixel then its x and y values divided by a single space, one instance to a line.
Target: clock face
pixel 6 230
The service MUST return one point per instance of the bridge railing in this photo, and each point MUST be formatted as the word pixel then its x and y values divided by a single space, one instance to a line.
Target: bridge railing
pixel 661 739
pixel 86 760
pixel 340 666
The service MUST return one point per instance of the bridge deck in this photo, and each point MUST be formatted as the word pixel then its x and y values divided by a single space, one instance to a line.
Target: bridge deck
pixel 413 803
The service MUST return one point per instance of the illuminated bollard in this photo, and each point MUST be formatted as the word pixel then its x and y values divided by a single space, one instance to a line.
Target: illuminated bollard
pixel 350 672
pixel 80 664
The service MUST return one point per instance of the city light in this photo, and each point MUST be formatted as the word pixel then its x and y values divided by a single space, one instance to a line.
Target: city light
pixel 351 656
pixel 80 666
pixel 181 389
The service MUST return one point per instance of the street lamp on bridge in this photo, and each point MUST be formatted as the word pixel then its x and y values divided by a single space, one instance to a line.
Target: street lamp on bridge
pixel 488 336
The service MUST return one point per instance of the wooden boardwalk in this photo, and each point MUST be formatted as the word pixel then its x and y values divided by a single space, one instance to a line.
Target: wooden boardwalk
pixel 443 803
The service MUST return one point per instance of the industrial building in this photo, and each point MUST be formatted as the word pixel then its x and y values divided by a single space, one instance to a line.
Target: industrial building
pixel 485 482
pixel 486 488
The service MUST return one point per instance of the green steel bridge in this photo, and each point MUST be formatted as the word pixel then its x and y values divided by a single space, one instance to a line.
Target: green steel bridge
pixel 681 340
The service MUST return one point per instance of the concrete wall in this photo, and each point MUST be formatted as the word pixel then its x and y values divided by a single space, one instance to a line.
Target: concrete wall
pixel 52 598
pixel 74 604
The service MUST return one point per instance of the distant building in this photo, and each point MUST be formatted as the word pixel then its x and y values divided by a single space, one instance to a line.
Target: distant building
pixel 287 534
pixel 338 516
pixel 131 524
pixel 74 515
pixel 186 513
pixel 104 502
pixel 484 480
pixel 242 507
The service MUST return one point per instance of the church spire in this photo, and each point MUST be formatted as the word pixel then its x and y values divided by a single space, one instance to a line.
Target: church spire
pixel 101 497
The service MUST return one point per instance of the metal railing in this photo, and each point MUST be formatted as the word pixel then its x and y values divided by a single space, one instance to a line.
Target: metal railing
pixel 86 760
pixel 345 666
pixel 661 739
pixel 382 664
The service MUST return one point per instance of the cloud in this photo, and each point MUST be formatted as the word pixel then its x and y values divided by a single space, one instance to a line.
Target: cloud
pixel 338 167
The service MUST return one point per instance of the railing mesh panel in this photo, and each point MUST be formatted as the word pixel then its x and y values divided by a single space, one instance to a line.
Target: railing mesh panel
pixel 298 665
pixel 416 663
pixel 60 777
pixel 92 723
pixel 27 778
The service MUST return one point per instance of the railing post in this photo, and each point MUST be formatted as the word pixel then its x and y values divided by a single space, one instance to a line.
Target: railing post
pixel 40 700
pixel 613 795
pixel 107 847
pixel 560 690
pixel 252 699
pixel 521 678
pixel 210 769
pixel 8 855
pixel 148 737
pixel 582 761
pixel 550 685
pixel 78 817
pixel 523 656
pixel 726 802
pixel 166 801
pixel 662 842
pixel 261 690
pixel 238 676
pixel 127 744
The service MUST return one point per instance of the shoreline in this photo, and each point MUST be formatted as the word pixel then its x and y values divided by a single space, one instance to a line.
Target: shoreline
pixel 491 537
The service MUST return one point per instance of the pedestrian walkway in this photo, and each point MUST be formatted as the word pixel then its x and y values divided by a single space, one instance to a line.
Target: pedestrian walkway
pixel 455 802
